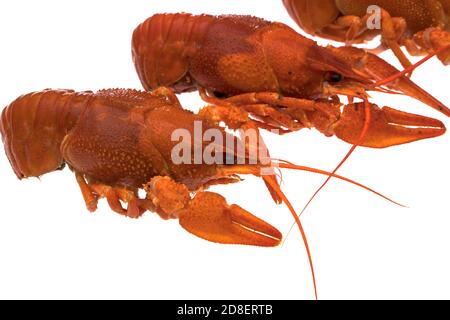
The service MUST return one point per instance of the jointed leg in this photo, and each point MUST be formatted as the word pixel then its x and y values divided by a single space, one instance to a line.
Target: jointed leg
pixel 114 195
pixel 435 40
pixel 208 216
pixel 285 113
pixel 354 29
pixel 281 121
pixel 392 30
pixel 237 119
pixel 168 94
pixel 413 48
pixel 90 198
pixel 387 127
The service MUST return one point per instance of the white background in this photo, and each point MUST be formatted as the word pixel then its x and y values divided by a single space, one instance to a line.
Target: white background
pixel 363 247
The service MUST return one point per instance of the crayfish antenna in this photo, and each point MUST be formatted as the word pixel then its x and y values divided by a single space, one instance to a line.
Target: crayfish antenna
pixel 412 67
pixel 347 156
pixel 273 192
pixel 406 86
pixel 275 186
pixel 288 165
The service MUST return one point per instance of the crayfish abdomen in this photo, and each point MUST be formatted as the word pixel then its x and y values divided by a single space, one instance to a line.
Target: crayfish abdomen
pixel 33 127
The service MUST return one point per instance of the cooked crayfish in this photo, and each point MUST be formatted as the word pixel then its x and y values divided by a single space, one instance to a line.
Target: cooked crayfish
pixel 422 26
pixel 282 79
pixel 119 141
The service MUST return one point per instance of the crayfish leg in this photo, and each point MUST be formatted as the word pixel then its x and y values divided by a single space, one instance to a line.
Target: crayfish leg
pixel 92 192
pixel 90 198
pixel 208 216
pixel 387 127
pixel 238 119
pixel 285 114
pixel 435 39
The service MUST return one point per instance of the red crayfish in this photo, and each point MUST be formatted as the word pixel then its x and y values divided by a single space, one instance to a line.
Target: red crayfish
pixel 282 79
pixel 422 26
pixel 119 141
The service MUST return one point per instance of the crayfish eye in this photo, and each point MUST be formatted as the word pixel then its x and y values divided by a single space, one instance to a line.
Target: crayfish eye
pixel 333 77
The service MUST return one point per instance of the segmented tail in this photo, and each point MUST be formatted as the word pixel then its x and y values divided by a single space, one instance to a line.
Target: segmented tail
pixel 162 46
pixel 33 127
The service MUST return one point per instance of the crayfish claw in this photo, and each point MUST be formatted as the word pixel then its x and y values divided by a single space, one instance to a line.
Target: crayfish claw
pixel 387 127
pixel 208 216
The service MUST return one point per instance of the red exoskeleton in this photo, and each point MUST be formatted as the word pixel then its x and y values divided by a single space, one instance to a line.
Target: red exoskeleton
pixel 119 141
pixel 282 79
pixel 422 26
